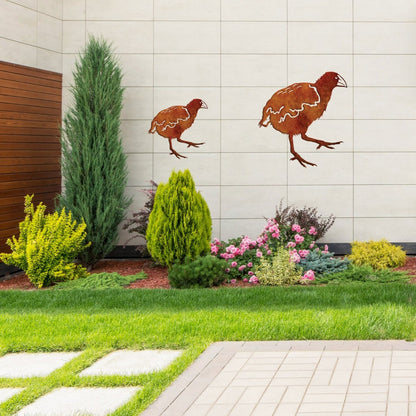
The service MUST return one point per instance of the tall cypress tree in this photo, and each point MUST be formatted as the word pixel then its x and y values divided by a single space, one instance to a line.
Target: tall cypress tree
pixel 93 163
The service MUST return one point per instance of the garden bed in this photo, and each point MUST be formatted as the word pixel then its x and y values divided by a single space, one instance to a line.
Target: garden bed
pixel 157 276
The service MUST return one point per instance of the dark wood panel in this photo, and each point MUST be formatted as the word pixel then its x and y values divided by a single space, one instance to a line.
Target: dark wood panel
pixel 24 86
pixel 21 115
pixel 30 118
pixel 29 109
pixel 29 123
pixel 29 79
pixel 29 176
pixel 22 185
pixel 25 138
pixel 29 190
pixel 27 70
pixel 11 99
pixel 47 199
pixel 52 145
pixel 29 168
pixel 13 92
pixel 30 131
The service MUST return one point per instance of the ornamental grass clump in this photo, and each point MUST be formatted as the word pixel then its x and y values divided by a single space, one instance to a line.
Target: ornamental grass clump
pixel 47 245
pixel 377 254
pixel 180 222
pixel 278 270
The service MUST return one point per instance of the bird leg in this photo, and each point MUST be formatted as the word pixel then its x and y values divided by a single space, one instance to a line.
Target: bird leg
pixel 190 143
pixel 320 142
pixel 173 151
pixel 297 156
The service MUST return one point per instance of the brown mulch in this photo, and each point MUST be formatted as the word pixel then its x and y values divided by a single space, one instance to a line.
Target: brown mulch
pixel 157 276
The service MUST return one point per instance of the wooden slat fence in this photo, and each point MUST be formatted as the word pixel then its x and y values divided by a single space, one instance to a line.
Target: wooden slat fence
pixel 30 119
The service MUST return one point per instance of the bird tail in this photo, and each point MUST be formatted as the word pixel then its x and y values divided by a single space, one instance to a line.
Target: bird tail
pixel 153 127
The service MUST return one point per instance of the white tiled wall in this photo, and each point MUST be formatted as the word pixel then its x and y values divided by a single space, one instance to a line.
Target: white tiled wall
pixel 234 54
pixel 31 33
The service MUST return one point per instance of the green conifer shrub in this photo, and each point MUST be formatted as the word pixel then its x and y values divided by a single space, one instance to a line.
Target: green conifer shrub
pixel 47 245
pixel 93 163
pixel 206 271
pixel 322 262
pixel 180 222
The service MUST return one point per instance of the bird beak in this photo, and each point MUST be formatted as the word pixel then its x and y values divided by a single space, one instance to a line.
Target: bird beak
pixel 341 82
pixel 204 105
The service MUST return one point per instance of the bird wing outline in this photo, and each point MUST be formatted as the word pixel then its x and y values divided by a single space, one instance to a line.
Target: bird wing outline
pixel 170 117
pixel 292 100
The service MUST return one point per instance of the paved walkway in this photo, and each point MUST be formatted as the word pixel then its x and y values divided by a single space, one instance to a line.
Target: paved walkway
pixel 296 378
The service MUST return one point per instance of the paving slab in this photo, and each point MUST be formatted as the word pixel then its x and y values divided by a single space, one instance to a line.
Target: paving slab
pixel 16 365
pixel 125 362
pixel 7 393
pixel 300 378
pixel 71 401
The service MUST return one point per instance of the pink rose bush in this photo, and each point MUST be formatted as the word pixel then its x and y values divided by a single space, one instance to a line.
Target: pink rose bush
pixel 244 254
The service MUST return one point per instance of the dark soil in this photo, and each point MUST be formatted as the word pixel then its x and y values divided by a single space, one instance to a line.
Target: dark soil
pixel 157 276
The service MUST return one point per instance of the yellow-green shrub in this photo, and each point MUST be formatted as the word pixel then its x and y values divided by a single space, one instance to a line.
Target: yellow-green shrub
pixel 377 254
pixel 279 271
pixel 47 245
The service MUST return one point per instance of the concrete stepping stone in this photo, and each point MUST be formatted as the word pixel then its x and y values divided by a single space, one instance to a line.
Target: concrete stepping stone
pixel 25 364
pixel 124 362
pixel 71 401
pixel 6 393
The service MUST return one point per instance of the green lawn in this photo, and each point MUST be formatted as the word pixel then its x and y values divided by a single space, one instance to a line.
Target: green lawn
pixel 98 321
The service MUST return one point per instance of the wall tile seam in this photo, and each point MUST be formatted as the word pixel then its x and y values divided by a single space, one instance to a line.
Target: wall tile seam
pixel 225 21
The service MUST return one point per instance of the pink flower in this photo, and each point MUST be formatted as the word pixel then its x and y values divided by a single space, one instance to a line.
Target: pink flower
pixel 303 253
pixel 295 258
pixel 299 239
pixel 227 270
pixel 250 273
pixel 291 244
pixel 312 231
pixel 233 264
pixel 325 250
pixel 254 279
pixel 245 279
pixel 296 227
pixel 250 264
pixel 269 252
pixel 259 253
pixel 275 235
pixel 242 267
pixel 216 241
pixel 309 276
pixel 311 246
pixel 214 249
pixel 233 281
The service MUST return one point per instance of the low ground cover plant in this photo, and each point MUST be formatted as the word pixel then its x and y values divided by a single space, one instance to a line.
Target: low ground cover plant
pixel 47 246
pixel 377 254
pixel 206 271
pixel 103 280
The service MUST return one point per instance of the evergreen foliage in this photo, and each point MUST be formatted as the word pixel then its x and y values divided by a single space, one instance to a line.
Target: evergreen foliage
pixel 180 222
pixel 204 271
pixel 363 274
pixel 103 280
pixel 47 245
pixel 279 270
pixel 322 262
pixel 93 163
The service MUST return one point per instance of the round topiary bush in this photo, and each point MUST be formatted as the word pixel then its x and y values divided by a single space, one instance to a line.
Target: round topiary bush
pixel 180 222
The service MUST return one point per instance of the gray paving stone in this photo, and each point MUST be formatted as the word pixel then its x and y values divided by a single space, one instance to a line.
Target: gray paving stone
pixel 24 364
pixel 125 362
pixel 7 393
pixel 69 401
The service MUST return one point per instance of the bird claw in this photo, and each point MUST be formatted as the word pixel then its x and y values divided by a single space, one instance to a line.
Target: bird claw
pixel 178 155
pixel 302 161
pixel 328 144
pixel 195 144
